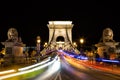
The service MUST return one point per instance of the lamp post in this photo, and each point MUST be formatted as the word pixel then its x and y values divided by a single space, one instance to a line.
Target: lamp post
pixel 81 43
pixel 38 44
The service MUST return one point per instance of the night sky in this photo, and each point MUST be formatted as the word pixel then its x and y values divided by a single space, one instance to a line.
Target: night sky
pixel 31 19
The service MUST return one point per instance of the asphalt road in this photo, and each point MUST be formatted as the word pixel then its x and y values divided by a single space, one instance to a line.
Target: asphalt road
pixel 69 72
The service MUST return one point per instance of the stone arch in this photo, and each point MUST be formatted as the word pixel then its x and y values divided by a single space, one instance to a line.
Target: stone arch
pixel 60 38
pixel 60 28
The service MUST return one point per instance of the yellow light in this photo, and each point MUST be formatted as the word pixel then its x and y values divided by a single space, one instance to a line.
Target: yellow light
pixel 38 41
pixel 45 43
pixel 81 40
pixel 74 43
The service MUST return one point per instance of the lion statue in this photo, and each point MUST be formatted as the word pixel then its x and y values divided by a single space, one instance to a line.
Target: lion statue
pixel 12 34
pixel 107 35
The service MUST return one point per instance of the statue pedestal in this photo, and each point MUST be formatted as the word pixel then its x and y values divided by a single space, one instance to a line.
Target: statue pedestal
pixel 13 50
pixel 105 47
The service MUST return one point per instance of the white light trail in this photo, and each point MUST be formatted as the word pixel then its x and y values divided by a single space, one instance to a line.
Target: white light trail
pixel 25 68
pixel 51 70
pixel 6 72
pixel 28 71
pixel 28 67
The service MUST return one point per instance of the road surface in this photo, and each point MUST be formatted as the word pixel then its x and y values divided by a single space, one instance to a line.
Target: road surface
pixel 65 71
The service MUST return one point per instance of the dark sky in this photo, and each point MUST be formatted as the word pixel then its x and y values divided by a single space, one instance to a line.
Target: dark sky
pixel 31 19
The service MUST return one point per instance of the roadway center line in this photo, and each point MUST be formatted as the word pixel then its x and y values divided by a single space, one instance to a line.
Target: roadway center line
pixel 58 76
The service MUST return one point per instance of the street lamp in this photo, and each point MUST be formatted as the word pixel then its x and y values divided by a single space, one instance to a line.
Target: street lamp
pixel 38 44
pixel 81 45
pixel 38 41
pixel 81 40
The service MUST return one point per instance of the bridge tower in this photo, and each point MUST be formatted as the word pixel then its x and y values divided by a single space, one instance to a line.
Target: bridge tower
pixel 60 29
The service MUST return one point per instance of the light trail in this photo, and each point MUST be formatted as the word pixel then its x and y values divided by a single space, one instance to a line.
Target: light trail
pixel 28 67
pixel 114 61
pixel 25 68
pixel 51 70
pixel 28 71
pixel 8 71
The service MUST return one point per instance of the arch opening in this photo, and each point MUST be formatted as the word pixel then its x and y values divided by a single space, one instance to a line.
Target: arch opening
pixel 60 38
pixel 60 42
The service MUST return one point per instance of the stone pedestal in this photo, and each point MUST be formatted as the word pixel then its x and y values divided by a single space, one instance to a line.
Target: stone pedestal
pixel 108 47
pixel 13 50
